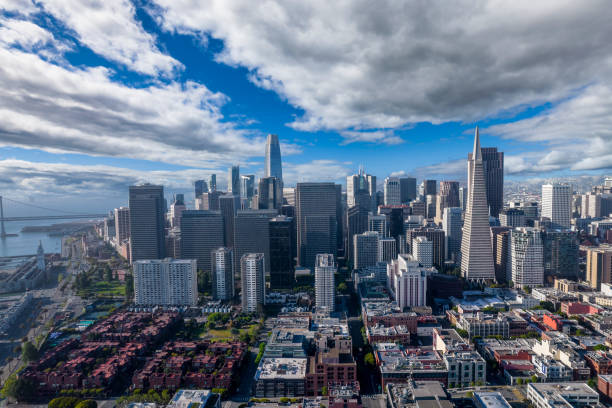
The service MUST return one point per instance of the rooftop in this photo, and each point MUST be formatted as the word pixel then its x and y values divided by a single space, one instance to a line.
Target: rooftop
pixel 491 400
pixel 281 368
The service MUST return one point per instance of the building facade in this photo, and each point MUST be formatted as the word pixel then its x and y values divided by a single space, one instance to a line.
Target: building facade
pixel 253 281
pixel 147 222
pixel 325 287
pixel 557 204
pixel 223 273
pixel 165 282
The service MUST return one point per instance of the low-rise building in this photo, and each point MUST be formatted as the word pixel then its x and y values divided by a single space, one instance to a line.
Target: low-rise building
pixel 195 398
pixel 399 365
pixel 465 368
pixel 484 399
pixel 280 377
pixel 555 395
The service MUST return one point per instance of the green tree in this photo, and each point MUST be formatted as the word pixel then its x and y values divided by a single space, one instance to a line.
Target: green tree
pixel 108 273
pixel 87 404
pixel 64 402
pixel 28 352
pixel 368 359
pixel 17 388
pixel 342 288
pixel 519 381
pixel 534 378
pixel 129 286
pixel 324 390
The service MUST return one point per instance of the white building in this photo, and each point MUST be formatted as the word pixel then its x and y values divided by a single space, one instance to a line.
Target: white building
pixel 122 224
pixel 222 273
pixel 407 281
pixel 527 257
pixel 365 247
pixel 422 251
pixel 562 394
pixel 165 282
pixel 557 204
pixel 392 191
pixel 325 288
pixel 253 282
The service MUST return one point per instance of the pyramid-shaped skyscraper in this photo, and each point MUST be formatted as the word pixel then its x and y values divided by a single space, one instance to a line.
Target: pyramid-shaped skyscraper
pixel 476 251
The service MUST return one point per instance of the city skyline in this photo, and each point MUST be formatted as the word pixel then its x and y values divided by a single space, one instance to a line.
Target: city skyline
pixel 171 100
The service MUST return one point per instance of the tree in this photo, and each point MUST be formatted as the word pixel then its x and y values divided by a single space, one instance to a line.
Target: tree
pixel 17 388
pixel 368 359
pixel 342 288
pixel 519 381
pixel 534 378
pixel 64 402
pixel 324 390
pixel 28 352
pixel 87 404
pixel 129 286
pixel 108 273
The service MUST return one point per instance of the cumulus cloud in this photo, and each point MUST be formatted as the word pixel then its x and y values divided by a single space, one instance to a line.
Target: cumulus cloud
pixel 109 28
pixel 377 136
pixel 373 65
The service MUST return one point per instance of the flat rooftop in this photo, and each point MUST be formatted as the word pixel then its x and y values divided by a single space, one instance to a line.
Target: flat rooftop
pixel 281 368
pixel 491 400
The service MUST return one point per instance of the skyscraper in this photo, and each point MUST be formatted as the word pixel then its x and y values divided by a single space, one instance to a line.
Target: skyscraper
pixel 165 282
pixel 325 287
pixel 273 165
pixel 452 224
pixel 282 274
pixel 233 180
pixel 561 258
pixel 176 209
pixel 270 193
pixel 430 187
pixel 122 224
pixel 557 204
pixel 527 262
pixel 253 281
pixel 512 217
pixel 147 222
pixel 422 251
pixel 463 197
pixel 222 273
pixel 201 233
pixel 229 204
pixel 407 281
pixel 379 224
pixel 448 197
pixel 212 182
pixel 252 234
pixel 200 187
pixel 247 186
pixel 316 211
pixel 599 266
pixel 436 236
pixel 356 222
pixel 500 239
pixel 392 191
pixel 408 190
pixel 387 249
pixel 476 250
pixel 366 249
pixel 208 201
pixel 493 165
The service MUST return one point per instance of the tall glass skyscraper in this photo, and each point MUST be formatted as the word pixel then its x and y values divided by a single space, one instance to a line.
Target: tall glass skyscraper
pixel 273 166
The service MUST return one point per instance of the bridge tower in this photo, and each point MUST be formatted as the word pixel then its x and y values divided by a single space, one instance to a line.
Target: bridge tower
pixel 2 230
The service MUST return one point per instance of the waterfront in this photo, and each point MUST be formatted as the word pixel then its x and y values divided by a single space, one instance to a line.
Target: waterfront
pixel 26 243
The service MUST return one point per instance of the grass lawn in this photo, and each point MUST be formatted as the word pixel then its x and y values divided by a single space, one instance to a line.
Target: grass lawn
pixel 104 289
pixel 224 334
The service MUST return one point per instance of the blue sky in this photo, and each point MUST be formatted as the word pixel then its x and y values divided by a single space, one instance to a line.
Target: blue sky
pixel 99 95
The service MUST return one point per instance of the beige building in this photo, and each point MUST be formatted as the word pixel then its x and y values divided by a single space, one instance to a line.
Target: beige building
pixel 566 286
pixel 599 266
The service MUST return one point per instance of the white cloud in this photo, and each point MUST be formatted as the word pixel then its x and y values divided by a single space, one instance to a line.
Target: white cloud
pixel 316 170
pixel 372 65
pixel 376 136
pixel 109 28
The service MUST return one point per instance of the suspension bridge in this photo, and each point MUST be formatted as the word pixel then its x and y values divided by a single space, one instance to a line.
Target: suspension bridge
pixel 55 214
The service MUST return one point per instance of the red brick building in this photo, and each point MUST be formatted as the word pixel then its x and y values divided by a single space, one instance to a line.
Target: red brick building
pixel 332 364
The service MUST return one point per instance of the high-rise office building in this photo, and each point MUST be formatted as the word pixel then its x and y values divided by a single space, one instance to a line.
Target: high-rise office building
pixel 408 190
pixel 430 206
pixel 512 217
pixel 387 249
pixel 430 187
pixel 356 223
pixel 599 266
pixel 452 224
pixel 122 224
pixel 422 251
pixel 222 273
pixel 355 184
pixel 463 198
pixel 176 209
pixel 392 191
pixel 253 282
pixel 379 224
pixel 493 165
pixel 289 195
pixel 365 249
pixel 247 186
pixel 233 180
pixel 165 282
pixel 476 249
pixel 282 273
pixel 252 234
pixel 229 204
pixel 561 258
pixel 500 240
pixel 317 224
pixel 200 187
pixel 557 204
pixel 273 165
pixel 448 197
pixel 395 218
pixel 407 281
pixel 418 207
pixel 208 201
pixel 436 236
pixel 201 233
pixel 325 287
pixel 212 182
pixel 270 193
pixel 147 222
pixel 527 257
